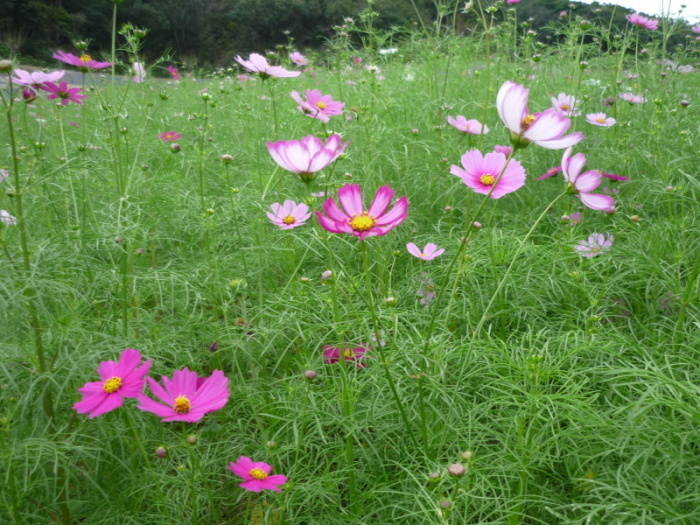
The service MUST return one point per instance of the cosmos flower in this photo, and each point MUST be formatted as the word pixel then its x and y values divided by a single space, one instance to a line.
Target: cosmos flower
pixel 358 221
pixel 186 397
pixel 36 79
pixel 84 61
pixel 258 64
pixel 551 172
pixel 481 173
pixel 595 245
pixel 170 136
pixel 139 72
pixel 174 73
pixel 63 92
pixel 642 21
pixel 615 176
pixel 298 58
pixel 545 129
pixel 306 156
pixel 585 183
pixel 473 127
pixel 566 104
pixel 120 379
pixel 289 215
pixel 332 355
pixel 428 253
pixel 256 475
pixel 600 119
pixel 506 150
pixel 318 106
pixel 633 99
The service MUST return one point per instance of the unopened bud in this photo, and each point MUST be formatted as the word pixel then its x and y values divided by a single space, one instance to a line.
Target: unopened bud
pixel 635 218
pixel 445 504
pixel 213 346
pixel 227 159
pixel 272 444
pixel 467 455
pixel 434 476
pixel 390 301
pixel 684 103
pixel 175 148
pixel 457 470
pixel 6 66
pixel 476 225
pixel 162 452
pixel 192 440
pixel 310 374
pixel 325 276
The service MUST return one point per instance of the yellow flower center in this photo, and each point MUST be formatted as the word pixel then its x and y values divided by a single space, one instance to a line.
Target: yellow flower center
pixel 362 223
pixel 321 105
pixel 601 120
pixel 348 353
pixel 289 220
pixel 565 107
pixel 487 179
pixel 85 58
pixel 182 405
pixel 527 121
pixel 258 473
pixel 112 384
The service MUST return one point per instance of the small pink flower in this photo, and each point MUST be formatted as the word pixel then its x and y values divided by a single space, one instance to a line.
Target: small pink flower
pixel 120 379
pixel 481 173
pixel 358 221
pixel 566 104
pixel 186 397
pixel 174 73
pixel 473 127
pixel 84 61
pixel 595 245
pixel 633 99
pixel 562 14
pixel 139 72
pixel 318 106
pixel 511 2
pixel 256 475
pixel 429 253
pixel 306 156
pixel 357 60
pixel 600 119
pixel 4 174
pixel 551 172
pixel 642 21
pixel 7 219
pixel 258 64
pixel 332 355
pixel 615 176
pixel 170 136
pixel 506 150
pixel 585 183
pixel 289 215
pixel 36 79
pixel 695 29
pixel 573 219
pixel 63 92
pixel 298 58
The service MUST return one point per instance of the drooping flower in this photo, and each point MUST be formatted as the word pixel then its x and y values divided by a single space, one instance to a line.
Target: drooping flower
pixel 551 172
pixel 585 183
pixel 633 99
pixel 256 475
pixel 566 104
pixel 643 21
pixel 600 119
pixel 289 215
pixel 174 73
pixel 472 126
pixel 29 95
pixel 481 173
pixel 258 64
pixel 306 156
pixel 428 253
pixel 139 72
pixel 358 221
pixel 36 79
pixel 595 245
pixel 6 218
pixel 84 61
pixel 170 136
pixel 332 355
pixel 186 397
pixel 63 92
pixel 545 129
pixel 120 379
pixel 298 58
pixel 318 106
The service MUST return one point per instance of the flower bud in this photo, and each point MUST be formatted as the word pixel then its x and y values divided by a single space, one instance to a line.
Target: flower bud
pixel 310 375
pixel 227 159
pixel 467 455
pixel 304 279
pixel 635 218
pixel 162 452
pixel 175 148
pixel 390 301
pixel 456 470
pixel 434 476
pixel 476 225
pixel 325 276
pixel 272 444
pixel 192 440
pixel 213 346
pixel 684 103
pixel 445 504
pixel 6 66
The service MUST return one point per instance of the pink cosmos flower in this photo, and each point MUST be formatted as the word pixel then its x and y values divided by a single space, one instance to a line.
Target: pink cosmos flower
pixel 427 254
pixel 7 219
pixel 545 129
pixel 36 79
pixel 170 136
pixel 473 127
pixel 258 64
pixel 63 92
pixel 595 245
pixel 511 2
pixel 256 475
pixel 139 72
pixel 318 106
pixel 585 183
pixel 481 173
pixel 28 95
pixel 506 150
pixel 358 221
pixel 695 29
pixel 566 104
pixel 332 355
pixel 120 379
pixel 633 99
pixel 289 215
pixel 174 73
pixel 84 61
pixel 551 172
pixel 573 219
pixel 298 58
pixel 187 397
pixel 600 119
pixel 306 156
pixel 642 21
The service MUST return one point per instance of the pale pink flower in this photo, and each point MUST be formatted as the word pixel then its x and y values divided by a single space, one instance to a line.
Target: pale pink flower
pixel 258 64
pixel 481 173
pixel 256 475
pixel 633 99
pixel 289 215
pixel 566 104
pixel 428 253
pixel 332 355
pixel 473 127
pixel 318 106
pixel 600 119
pixel 170 136
pixel 298 58
pixel 306 156
pixel 63 92
pixel 426 290
pixel 174 73
pixel 7 219
pixel 506 150
pixel 139 72
pixel 84 61
pixel 585 183
pixel 356 220
pixel 545 129
pixel 595 245
pixel 695 29
pixel 36 79
pixel 642 21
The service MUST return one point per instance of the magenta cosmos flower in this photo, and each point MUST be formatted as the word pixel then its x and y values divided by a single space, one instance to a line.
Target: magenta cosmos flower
pixel 595 245
pixel 84 61
pixel 63 92
pixel 632 98
pixel 289 215
pixel 187 397
pixel 600 119
pixel 428 253
pixel 318 106
pixel 36 79
pixel 298 58
pixel 551 172
pixel 358 221
pixel 473 127
pixel 170 136
pixel 566 104
pixel 585 183
pixel 258 64
pixel 256 475
pixel 481 173
pixel 545 129
pixel 306 156
pixel 174 73
pixel 332 355
pixel 643 21
pixel 120 379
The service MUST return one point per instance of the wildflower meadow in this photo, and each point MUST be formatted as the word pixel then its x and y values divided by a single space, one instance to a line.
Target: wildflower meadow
pixel 422 277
